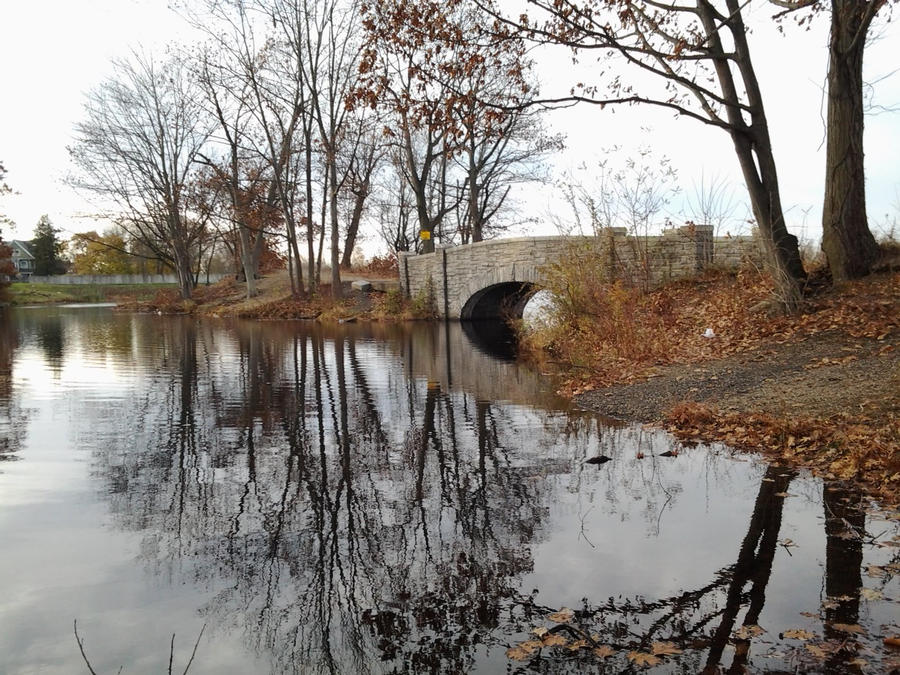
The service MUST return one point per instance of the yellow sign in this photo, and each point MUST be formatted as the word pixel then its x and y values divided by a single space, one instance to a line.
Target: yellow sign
pixel 424 234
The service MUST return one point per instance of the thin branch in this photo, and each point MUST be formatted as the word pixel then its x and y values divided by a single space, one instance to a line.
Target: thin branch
pixel 193 653
pixel 81 648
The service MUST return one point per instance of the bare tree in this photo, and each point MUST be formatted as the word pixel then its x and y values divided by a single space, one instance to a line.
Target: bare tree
pixel 846 238
pixel 692 58
pixel 136 148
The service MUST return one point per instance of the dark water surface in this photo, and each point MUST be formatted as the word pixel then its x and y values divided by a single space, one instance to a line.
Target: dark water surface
pixel 371 499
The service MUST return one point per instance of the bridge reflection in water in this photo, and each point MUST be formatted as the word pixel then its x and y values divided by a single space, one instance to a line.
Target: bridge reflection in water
pixel 383 499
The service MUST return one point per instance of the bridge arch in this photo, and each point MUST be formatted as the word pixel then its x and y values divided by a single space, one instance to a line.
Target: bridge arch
pixel 506 299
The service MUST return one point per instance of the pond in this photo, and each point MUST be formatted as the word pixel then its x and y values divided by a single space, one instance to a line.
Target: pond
pixel 286 497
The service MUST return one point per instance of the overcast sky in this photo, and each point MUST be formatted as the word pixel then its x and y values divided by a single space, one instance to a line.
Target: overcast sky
pixel 53 51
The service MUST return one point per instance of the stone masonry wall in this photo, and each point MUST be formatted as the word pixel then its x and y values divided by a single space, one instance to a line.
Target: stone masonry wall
pixel 459 273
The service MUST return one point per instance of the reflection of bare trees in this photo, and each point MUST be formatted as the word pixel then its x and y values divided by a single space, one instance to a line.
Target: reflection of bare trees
pixel 342 540
pixel 12 419
pixel 698 620
pixel 349 518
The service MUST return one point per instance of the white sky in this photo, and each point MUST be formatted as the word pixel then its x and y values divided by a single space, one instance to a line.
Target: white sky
pixel 54 51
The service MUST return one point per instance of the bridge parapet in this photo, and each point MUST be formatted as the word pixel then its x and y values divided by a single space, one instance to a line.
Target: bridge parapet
pixel 460 276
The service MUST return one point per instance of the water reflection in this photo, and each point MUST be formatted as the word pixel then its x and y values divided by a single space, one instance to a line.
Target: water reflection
pixel 370 500
pixel 12 420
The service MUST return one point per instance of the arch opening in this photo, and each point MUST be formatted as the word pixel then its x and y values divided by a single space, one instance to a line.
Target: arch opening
pixel 499 301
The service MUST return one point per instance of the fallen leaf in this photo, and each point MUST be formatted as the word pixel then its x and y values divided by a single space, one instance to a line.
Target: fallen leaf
pixel 664 649
pixel 643 659
pixel 522 651
pixel 564 615
pixel 798 634
pixel 540 631
pixel 603 651
pixel 578 644
pixel 748 631
pixel 848 627
pixel 554 640
pixel 876 571
pixel 893 641
pixel 871 594
pixel 816 651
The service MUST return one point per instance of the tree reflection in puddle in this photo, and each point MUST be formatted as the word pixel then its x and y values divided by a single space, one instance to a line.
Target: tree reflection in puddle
pixel 359 505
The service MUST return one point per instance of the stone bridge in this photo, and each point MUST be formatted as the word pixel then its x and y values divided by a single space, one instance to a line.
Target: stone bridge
pixel 494 278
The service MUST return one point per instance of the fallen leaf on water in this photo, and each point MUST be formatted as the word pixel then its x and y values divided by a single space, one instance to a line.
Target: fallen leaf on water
pixel 564 615
pixel 798 634
pixel 816 651
pixel 871 594
pixel 540 631
pixel 848 627
pixel 643 659
pixel 664 648
pixel 787 543
pixel 749 631
pixel 522 651
pixel 893 641
pixel 554 640
pixel 603 651
pixel 876 571
pixel 578 644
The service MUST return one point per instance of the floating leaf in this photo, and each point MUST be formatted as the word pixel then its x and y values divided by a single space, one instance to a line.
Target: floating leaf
pixel 848 627
pixel 664 649
pixel 816 651
pixel 603 651
pixel 564 615
pixel 876 571
pixel 522 651
pixel 893 641
pixel 871 594
pixel 540 631
pixel 748 631
pixel 554 640
pixel 643 659
pixel 798 634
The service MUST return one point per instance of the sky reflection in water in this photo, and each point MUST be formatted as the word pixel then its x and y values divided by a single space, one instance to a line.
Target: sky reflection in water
pixel 388 499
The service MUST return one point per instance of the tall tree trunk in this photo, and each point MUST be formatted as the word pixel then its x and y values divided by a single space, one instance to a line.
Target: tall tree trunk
pixel 247 260
pixel 846 239
pixel 310 231
pixel 475 224
pixel 335 225
pixel 754 150
pixel 353 226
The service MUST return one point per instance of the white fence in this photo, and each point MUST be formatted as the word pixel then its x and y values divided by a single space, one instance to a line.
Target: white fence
pixel 116 279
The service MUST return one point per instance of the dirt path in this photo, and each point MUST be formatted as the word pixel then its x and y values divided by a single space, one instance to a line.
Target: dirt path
pixel 825 375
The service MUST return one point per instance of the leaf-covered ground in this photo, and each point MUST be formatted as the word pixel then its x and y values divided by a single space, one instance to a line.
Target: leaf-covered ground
pixel 820 389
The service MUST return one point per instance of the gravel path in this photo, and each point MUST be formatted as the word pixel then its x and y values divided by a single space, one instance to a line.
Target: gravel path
pixel 824 375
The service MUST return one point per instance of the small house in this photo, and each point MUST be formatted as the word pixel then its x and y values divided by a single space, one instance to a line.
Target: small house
pixel 22 259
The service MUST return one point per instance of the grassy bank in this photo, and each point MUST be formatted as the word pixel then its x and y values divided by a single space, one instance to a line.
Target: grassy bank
pixel 274 301
pixel 23 293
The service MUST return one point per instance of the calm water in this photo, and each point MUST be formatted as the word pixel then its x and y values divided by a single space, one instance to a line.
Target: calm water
pixel 391 499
